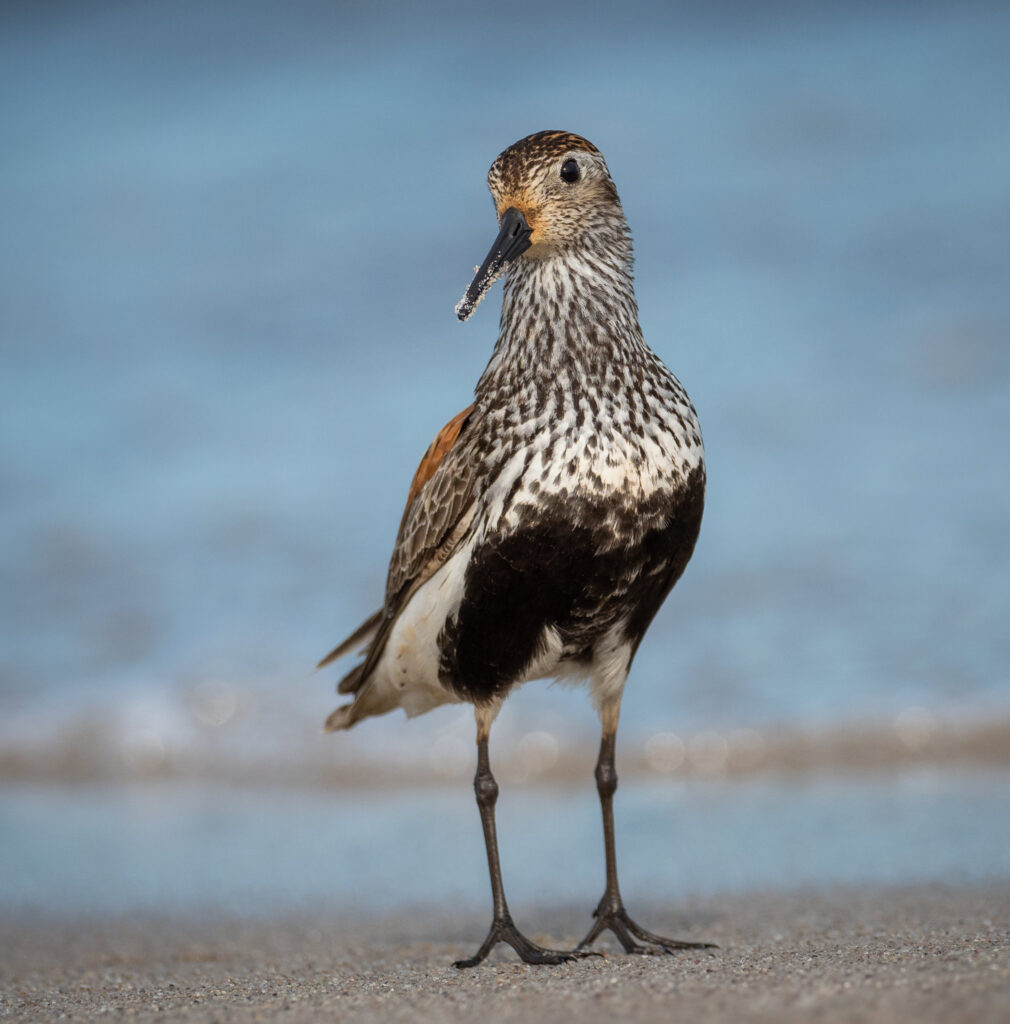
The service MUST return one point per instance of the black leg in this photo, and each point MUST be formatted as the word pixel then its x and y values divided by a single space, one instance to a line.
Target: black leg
pixel 610 912
pixel 502 927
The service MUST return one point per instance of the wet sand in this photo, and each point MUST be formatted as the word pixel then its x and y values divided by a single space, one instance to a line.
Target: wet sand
pixel 924 953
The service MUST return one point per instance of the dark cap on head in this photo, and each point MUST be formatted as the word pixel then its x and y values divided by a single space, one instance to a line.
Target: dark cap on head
pixel 510 165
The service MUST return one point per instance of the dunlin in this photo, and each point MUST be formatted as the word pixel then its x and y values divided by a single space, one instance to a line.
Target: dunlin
pixel 548 520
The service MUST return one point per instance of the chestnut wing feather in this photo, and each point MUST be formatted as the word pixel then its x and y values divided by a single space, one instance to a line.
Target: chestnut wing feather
pixel 440 493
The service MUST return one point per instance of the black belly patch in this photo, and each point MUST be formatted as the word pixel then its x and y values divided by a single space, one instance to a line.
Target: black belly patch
pixel 566 567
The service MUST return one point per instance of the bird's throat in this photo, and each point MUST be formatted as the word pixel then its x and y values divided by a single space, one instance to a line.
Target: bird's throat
pixel 566 317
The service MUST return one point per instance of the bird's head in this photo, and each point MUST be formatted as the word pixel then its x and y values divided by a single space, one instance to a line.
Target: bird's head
pixel 553 194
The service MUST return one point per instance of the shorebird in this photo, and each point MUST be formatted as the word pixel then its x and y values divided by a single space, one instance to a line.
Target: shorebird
pixel 549 519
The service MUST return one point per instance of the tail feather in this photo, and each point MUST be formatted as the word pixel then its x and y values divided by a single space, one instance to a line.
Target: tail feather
pixel 351 683
pixel 342 718
pixel 370 699
pixel 360 635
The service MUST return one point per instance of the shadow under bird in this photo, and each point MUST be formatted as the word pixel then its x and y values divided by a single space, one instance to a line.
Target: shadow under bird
pixel 547 521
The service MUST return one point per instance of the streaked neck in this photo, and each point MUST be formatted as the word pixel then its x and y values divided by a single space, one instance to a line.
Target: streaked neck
pixel 572 315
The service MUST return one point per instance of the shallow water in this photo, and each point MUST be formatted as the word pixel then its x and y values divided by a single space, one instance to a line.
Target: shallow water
pixel 232 242
pixel 99 850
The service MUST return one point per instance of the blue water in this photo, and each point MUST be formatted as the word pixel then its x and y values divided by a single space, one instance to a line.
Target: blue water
pixel 89 851
pixel 232 238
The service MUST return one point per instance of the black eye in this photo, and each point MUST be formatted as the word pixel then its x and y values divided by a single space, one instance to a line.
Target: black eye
pixel 570 171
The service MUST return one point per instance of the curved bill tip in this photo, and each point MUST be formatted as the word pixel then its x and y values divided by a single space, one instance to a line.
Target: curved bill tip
pixel 512 241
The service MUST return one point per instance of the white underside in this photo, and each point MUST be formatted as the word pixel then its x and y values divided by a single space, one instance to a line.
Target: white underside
pixel 407 675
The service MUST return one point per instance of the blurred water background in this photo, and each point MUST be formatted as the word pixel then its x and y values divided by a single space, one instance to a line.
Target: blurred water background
pixel 232 239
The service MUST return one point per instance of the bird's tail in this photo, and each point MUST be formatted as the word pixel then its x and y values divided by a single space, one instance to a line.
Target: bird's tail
pixel 361 635
pixel 371 698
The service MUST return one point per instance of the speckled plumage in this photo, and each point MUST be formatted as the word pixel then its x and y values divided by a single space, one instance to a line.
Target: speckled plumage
pixel 576 426
pixel 549 520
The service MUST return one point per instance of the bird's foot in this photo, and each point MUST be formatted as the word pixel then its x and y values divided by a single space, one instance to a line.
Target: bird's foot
pixel 503 930
pixel 615 918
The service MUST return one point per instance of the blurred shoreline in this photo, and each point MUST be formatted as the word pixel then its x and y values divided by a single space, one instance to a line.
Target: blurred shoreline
pixel 88 751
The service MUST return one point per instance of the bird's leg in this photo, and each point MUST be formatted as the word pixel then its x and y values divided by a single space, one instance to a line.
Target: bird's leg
pixel 610 912
pixel 502 927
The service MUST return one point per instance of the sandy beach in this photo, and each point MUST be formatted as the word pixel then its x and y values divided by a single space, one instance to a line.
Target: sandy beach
pixel 924 953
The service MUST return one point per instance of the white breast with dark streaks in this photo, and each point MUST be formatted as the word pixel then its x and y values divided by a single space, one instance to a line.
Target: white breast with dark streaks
pixel 577 404
pixel 609 465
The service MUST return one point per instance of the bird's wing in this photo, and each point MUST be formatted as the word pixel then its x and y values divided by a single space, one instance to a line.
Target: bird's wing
pixel 438 505
pixel 440 493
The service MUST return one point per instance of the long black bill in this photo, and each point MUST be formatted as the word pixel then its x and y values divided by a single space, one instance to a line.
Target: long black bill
pixel 513 240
